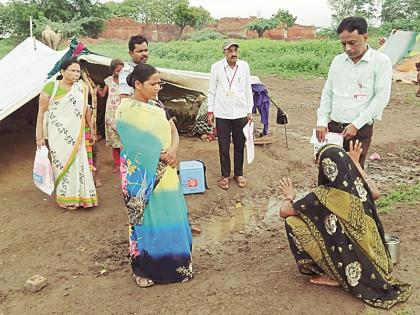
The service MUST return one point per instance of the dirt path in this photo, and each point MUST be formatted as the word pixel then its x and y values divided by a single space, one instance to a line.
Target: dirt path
pixel 242 261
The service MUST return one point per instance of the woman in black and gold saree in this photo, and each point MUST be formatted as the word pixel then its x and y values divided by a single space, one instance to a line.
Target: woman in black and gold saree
pixel 335 233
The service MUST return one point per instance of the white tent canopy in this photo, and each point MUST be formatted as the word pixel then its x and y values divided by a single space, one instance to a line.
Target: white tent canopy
pixel 190 80
pixel 24 70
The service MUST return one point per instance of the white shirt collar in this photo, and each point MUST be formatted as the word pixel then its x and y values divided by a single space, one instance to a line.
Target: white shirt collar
pixel 366 57
pixel 225 63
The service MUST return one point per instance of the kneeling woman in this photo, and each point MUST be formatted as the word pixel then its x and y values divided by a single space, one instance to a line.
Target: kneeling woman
pixel 160 236
pixel 335 233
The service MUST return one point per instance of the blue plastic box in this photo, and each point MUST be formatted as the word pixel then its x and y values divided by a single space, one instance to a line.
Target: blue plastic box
pixel 191 177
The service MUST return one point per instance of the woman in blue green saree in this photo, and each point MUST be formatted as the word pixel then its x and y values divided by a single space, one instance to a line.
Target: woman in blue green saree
pixel 159 233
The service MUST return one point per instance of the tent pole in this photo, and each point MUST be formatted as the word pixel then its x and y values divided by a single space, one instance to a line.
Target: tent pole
pixel 31 31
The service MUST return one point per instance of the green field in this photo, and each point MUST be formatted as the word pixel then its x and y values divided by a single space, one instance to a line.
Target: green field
pixel 307 58
pixel 265 57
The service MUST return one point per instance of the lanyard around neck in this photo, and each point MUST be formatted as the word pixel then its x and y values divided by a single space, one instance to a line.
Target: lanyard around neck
pixel 233 78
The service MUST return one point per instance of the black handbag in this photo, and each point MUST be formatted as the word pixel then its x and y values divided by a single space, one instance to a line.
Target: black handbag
pixel 281 117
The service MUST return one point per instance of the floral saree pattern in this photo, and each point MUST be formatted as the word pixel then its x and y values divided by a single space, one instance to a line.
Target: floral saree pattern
pixel 112 103
pixel 69 158
pixel 337 233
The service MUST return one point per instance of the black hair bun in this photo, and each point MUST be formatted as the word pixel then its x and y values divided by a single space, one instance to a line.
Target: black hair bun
pixel 130 80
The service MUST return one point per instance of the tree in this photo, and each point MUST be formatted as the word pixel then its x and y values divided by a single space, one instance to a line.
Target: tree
pixel 20 12
pixel 90 12
pixel 285 17
pixel 5 20
pixel 203 17
pixel 368 9
pixel 121 9
pixel 193 16
pixel 261 25
pixel 399 9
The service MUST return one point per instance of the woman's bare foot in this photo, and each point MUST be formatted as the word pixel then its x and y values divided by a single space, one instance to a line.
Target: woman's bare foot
pixel 98 183
pixel 69 207
pixel 195 230
pixel 324 280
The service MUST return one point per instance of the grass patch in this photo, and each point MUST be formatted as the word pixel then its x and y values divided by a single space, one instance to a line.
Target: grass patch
pixel 307 58
pixel 403 311
pixel 294 59
pixel 404 193
pixel 6 45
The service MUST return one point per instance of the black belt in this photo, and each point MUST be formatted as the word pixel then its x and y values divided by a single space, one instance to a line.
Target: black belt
pixel 341 125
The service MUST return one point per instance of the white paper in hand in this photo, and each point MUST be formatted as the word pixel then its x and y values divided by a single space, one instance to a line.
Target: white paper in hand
pixel 330 138
pixel 249 135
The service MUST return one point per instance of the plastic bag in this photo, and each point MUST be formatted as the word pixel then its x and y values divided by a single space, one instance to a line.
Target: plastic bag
pixel 249 143
pixel 42 173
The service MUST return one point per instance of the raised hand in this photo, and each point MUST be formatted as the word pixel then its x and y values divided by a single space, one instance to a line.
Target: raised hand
pixel 355 149
pixel 286 186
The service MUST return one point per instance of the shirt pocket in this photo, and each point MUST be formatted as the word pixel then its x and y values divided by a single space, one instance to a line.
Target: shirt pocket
pixel 344 83
pixel 239 83
pixel 366 83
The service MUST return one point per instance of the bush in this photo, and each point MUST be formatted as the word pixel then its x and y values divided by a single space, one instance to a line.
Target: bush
pixel 203 35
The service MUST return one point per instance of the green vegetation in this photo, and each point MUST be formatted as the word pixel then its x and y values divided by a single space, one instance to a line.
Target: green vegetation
pixel 6 45
pixel 85 15
pixel 403 311
pixel 284 17
pixel 203 35
pixel 261 25
pixel 404 193
pixel 268 57
pixel 281 17
pixel 394 14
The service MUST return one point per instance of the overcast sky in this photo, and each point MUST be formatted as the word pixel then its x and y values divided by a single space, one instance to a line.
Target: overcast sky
pixel 308 12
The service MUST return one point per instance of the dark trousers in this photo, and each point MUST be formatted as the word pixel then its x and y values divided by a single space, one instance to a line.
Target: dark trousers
pixel 226 128
pixel 364 135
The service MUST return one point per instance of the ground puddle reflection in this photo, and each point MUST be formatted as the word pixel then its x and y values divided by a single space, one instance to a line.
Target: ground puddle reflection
pixel 242 219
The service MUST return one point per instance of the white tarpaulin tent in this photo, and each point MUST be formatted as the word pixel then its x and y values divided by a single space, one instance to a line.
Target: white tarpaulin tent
pixel 24 71
pixel 189 80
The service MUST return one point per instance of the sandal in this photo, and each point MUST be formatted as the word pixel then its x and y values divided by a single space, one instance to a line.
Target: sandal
pixel 224 183
pixel 142 282
pixel 241 181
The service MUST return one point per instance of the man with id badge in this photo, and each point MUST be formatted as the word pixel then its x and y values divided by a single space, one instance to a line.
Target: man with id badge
pixel 357 89
pixel 230 105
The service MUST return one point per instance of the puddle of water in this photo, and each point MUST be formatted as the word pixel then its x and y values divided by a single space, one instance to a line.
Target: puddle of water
pixel 216 231
pixel 241 219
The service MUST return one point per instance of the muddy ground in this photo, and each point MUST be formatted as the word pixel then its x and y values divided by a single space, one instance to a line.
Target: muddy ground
pixel 242 261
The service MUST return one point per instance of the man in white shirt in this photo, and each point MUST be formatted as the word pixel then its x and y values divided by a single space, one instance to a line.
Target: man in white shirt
pixel 138 49
pixel 230 103
pixel 357 89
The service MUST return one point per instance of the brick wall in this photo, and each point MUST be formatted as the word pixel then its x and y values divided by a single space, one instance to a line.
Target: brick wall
pixel 122 28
